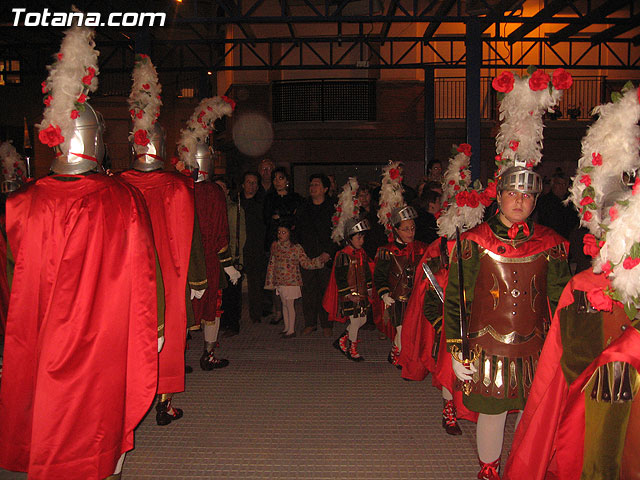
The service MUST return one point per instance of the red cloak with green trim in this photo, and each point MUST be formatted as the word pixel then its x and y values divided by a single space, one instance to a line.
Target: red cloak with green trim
pixel 418 336
pixel 169 198
pixel 548 441
pixel 80 355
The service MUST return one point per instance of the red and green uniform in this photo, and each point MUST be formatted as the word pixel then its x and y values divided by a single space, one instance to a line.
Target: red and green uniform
pixel 511 288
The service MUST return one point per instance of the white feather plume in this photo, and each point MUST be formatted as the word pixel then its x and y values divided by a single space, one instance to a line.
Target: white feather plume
pixel 519 141
pixel 457 179
pixel 199 126
pixel 346 208
pixel 145 100
pixel 71 78
pixel 13 166
pixel 610 149
pixel 391 194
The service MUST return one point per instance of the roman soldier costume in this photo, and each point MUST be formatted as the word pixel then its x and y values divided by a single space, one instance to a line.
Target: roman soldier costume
pixel 169 198
pixel 350 285
pixel 513 272
pixel 80 369
pixel 423 339
pixel 396 262
pixel 211 208
pixel 582 419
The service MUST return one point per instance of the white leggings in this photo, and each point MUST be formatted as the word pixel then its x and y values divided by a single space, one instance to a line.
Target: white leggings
pixel 289 314
pixel 490 435
pixel 354 325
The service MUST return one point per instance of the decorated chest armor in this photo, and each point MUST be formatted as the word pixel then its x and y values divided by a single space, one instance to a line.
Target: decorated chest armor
pixel 356 301
pixel 509 317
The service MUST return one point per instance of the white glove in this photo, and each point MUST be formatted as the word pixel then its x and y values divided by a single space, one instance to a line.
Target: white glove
pixel 463 372
pixel 388 301
pixel 197 294
pixel 160 343
pixel 234 275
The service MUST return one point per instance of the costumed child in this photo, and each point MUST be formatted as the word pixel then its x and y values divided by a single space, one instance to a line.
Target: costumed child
pixel 422 334
pixel 513 272
pixel 582 419
pixel 283 271
pixel 347 296
pixel 396 262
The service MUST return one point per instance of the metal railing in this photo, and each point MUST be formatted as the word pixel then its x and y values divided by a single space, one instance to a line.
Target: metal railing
pixel 576 103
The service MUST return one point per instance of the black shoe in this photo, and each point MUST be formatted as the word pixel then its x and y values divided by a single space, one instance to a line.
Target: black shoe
pixel 276 321
pixel 188 369
pixel 163 416
pixel 208 361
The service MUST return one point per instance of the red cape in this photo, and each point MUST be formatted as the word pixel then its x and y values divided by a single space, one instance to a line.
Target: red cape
pixel 418 336
pixel 169 198
pixel 4 284
pixel 548 441
pixel 80 363
pixel 330 299
pixel 211 207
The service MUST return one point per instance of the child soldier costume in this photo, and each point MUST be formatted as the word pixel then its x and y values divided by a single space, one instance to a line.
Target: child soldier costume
pixel 350 285
pixel 169 198
pixel 513 272
pixel 80 369
pixel 211 208
pixel 424 343
pixel 396 262
pixel 582 419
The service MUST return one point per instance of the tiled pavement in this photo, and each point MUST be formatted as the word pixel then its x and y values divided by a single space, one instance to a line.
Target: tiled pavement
pixel 298 409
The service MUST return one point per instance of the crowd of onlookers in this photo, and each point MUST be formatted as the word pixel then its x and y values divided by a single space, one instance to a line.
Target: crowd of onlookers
pixel 265 200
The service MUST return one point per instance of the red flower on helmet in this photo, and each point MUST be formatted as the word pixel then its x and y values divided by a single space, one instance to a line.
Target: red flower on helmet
pixel 465 148
pixel 473 199
pixel 140 137
pixel 229 101
pixel 513 145
pixel 590 247
pixel 596 159
pixel 503 82
pixel 586 201
pixel 538 81
pixel 561 79
pixel 462 198
pixel 394 173
pixel 613 213
pixel 47 100
pixel 607 268
pixel 146 86
pixel 74 114
pixel 600 300
pixel 45 89
pixel 587 216
pixel 89 76
pixel 630 263
pixel 51 136
pixel 586 179
pixel 82 98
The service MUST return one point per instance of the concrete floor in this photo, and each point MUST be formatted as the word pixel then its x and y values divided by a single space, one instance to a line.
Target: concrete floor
pixel 298 409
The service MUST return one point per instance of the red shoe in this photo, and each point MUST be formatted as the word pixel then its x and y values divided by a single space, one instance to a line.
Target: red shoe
pixel 353 352
pixel 449 420
pixel 489 471
pixel 393 357
pixel 342 343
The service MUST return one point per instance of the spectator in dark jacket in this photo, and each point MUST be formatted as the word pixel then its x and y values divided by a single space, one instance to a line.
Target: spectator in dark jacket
pixel 280 202
pixel 313 230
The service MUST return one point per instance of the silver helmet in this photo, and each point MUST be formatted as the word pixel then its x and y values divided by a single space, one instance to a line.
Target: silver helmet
pixel 520 179
pixel 86 148
pixel 151 157
pixel 399 214
pixel 203 158
pixel 354 226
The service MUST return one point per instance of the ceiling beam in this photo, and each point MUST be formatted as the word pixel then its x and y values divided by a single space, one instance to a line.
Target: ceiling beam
pixel 538 19
pixel 604 10
pixel 391 11
pixel 443 9
pixel 615 31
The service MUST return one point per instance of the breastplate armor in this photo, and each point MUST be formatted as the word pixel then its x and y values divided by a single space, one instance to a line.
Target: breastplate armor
pixel 510 310
pixel 355 276
pixel 401 274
